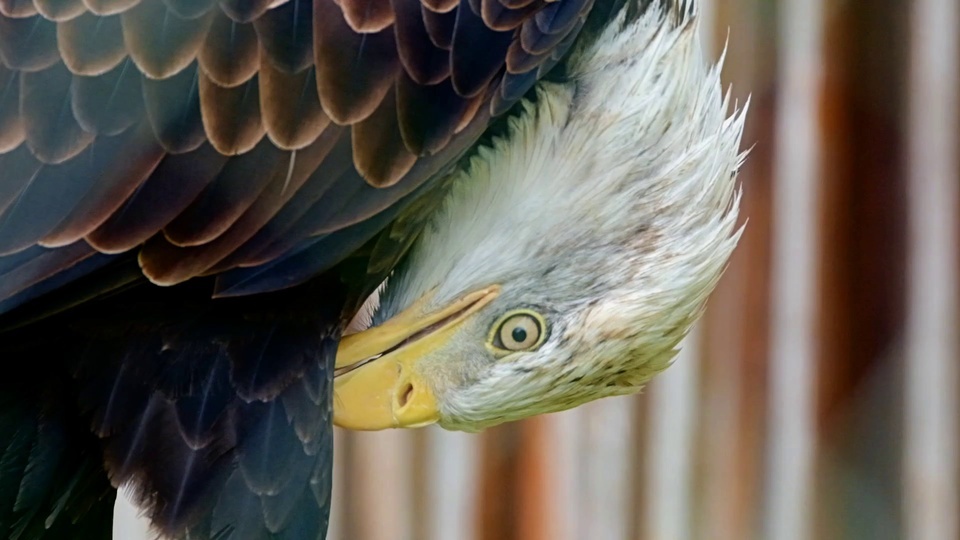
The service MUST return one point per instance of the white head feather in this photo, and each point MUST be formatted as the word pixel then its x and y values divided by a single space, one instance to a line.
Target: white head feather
pixel 609 207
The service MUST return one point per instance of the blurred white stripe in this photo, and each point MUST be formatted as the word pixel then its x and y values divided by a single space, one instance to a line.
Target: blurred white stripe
pixel 931 470
pixel 452 469
pixel 794 281
pixel 561 453
pixel 608 456
pixel 674 402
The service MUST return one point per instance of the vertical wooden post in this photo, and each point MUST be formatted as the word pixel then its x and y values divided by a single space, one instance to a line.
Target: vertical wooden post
pixel 672 426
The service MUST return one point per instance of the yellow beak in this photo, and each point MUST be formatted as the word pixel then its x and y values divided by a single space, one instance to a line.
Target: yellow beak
pixel 378 384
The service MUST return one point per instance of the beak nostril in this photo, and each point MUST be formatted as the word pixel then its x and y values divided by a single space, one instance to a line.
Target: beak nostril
pixel 405 394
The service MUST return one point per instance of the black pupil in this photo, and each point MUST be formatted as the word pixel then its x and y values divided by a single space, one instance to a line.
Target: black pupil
pixel 519 335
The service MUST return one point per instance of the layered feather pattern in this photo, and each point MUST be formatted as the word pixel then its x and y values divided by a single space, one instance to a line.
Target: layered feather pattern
pixel 215 415
pixel 224 148
pixel 108 107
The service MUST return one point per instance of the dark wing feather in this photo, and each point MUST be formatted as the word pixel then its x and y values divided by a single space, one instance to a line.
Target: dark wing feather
pixel 258 249
pixel 110 7
pixel 21 167
pixel 354 71
pixel 137 154
pixel 59 10
pixel 190 9
pixel 549 27
pixel 474 67
pixel 286 36
pixel 51 481
pixel 195 417
pixel 239 184
pixel 281 187
pixel 229 55
pixel 205 403
pixel 498 16
pixel 367 16
pixel 11 125
pixel 516 4
pixel 306 222
pixel 33 265
pixel 43 202
pixel 228 74
pixel 378 148
pixel 174 184
pixel 109 104
pixel 426 124
pixel 440 6
pixel 321 252
pixel 560 16
pixel 439 26
pixel 52 131
pixel 17 8
pixel 90 45
pixel 282 153
pixel 423 61
pixel 159 41
pixel 291 109
pixel 245 10
pixel 28 44
pixel 231 115
pixel 173 107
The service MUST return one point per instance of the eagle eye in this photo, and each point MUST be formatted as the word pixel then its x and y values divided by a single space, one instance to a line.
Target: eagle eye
pixel 521 330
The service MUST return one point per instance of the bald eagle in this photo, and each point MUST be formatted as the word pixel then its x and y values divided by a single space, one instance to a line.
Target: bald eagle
pixel 225 225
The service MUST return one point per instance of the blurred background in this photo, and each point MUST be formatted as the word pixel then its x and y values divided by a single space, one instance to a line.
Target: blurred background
pixel 818 396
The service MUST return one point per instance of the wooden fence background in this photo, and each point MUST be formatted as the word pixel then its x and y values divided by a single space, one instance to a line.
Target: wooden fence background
pixel 818 398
